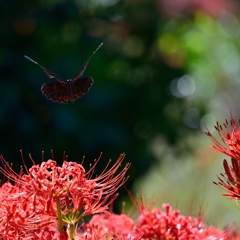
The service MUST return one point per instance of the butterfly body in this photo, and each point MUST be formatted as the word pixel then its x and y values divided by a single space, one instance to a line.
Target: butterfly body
pixel 70 90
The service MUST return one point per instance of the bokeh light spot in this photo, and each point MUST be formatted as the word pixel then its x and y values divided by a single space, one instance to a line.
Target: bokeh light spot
pixel 183 86
pixel 191 118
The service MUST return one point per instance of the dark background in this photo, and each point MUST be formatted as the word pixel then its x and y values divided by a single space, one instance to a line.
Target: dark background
pixel 130 102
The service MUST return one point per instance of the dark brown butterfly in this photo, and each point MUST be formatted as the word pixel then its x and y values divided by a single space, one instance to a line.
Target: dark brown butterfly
pixel 62 91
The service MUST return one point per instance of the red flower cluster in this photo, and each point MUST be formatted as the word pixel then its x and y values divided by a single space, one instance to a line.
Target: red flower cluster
pixel 152 224
pixel 229 145
pixel 49 196
pixel 50 203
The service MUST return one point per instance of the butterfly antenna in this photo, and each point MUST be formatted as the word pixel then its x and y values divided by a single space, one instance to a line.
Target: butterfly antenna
pixel 28 58
pixel 97 48
pixel 94 51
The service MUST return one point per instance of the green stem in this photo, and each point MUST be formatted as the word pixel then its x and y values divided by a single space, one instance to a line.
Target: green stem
pixel 71 232
pixel 60 225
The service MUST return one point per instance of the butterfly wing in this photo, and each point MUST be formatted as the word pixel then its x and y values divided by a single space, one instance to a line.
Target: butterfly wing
pixel 56 91
pixel 81 70
pixel 48 72
pixel 84 66
pixel 80 87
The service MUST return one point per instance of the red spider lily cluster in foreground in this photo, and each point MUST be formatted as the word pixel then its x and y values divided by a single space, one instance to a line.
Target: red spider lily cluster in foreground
pixel 51 202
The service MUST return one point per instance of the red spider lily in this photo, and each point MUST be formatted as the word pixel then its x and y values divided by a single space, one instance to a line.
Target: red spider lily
pixel 230 182
pixel 230 136
pixel 154 224
pixel 48 192
pixel 17 213
pixel 112 226
pixel 157 224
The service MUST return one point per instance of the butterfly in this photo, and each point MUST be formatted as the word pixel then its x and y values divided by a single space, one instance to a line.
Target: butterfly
pixel 72 89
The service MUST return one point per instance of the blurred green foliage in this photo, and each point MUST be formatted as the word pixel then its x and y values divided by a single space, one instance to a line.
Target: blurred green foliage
pixel 154 75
